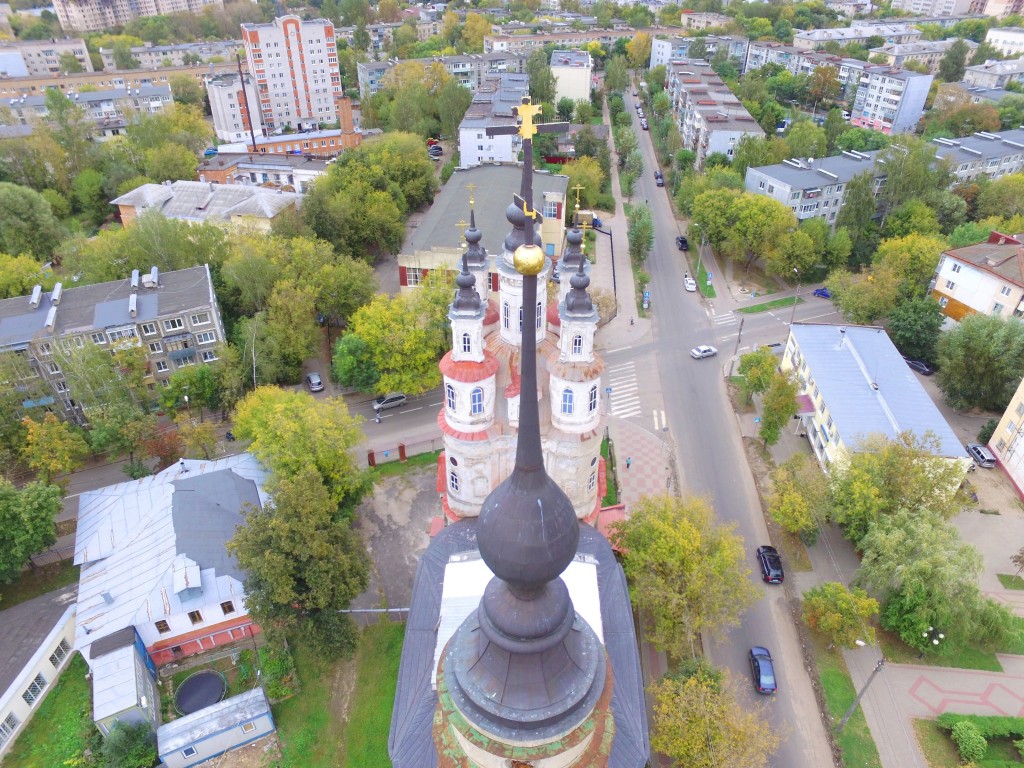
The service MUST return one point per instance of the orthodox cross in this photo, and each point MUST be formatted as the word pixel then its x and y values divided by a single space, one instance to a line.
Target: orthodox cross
pixel 463 225
pixel 527 129
pixel 471 187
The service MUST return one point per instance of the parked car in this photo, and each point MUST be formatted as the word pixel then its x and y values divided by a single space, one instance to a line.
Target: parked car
pixel 771 565
pixel 643 124
pixel 659 181
pixel 690 284
pixel 555 277
pixel 925 369
pixel 437 149
pixel 981 455
pixel 658 174
pixel 699 353
pixel 823 293
pixel 762 670
pixel 390 400
pixel 210 152
pixel 314 382
pixel 682 243
pixel 597 223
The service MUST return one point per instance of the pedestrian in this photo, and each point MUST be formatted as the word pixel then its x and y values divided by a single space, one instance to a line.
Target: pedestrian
pixel 629 461
pixel 686 275
pixel 377 417
pixel 631 321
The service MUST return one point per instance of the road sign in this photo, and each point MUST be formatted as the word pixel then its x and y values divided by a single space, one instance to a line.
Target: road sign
pixel 647 295
pixel 607 390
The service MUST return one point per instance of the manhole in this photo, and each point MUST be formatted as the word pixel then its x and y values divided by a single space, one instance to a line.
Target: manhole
pixel 200 690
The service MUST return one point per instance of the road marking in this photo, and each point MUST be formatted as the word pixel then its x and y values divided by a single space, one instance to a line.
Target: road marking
pixel 727 319
pixel 660 422
pixel 621 367
pixel 624 400
pixel 617 349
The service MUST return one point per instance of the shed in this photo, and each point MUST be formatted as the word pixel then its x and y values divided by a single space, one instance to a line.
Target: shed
pixel 212 731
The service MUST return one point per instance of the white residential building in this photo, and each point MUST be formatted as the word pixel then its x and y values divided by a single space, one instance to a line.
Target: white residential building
pixel 799 61
pixel 96 15
pixel 1006 441
pixel 986 278
pixel 39 58
pixel 889 100
pixel 933 7
pixel 995 74
pixel 471 70
pixel 294 64
pixel 665 50
pixel 694 20
pixel 927 52
pixel 492 108
pixel 152 56
pixel 231 108
pixel 110 111
pixel 1009 41
pixel 810 39
pixel 989 154
pixel 573 75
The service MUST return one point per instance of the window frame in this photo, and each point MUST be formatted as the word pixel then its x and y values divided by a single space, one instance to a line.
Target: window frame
pixel 196 617
pixel 476 401
pixel 162 627
pixel 450 398
pixel 567 402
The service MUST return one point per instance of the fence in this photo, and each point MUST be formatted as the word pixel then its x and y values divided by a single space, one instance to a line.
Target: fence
pixel 364 617
pixel 402 451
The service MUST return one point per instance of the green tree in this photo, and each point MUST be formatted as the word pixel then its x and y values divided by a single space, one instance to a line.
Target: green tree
pixel 911 170
pixel 694 184
pixel 913 217
pixel 89 196
pixel 698 49
pixel 883 476
pixel 302 560
pixel 1002 197
pixel 123 428
pixel 27 224
pixel 778 406
pixel 700 723
pixel 18 274
pixel 954 63
pixel 799 501
pixel 70 127
pixel 638 50
pixel 824 83
pixel 640 234
pixel 26 523
pixel 198 438
pixel 981 362
pixel 352 364
pixel 914 327
pixel 842 615
pixel 542 81
pixel 565 108
pixel 757 369
pixel 805 139
pixel 452 101
pixel 912 259
pixel 835 126
pixel 859 208
pixel 687 572
pixel 69 64
pixel 170 162
pixel 865 298
pixel 713 214
pixel 129 745
pixel 291 320
pixel 52 447
pixel 186 90
pixel 616 74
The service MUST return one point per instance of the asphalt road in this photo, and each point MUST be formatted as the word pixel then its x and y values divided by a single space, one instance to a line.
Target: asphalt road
pixel 710 455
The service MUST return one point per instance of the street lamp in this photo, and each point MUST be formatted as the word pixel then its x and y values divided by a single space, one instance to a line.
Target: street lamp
pixel 860 694
pixel 934 636
pixel 796 299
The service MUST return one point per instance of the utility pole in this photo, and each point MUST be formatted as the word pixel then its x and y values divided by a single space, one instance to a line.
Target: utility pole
pixel 860 694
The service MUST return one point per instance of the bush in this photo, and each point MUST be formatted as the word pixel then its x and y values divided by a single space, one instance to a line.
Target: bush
pixel 990 726
pixel 130 745
pixel 969 741
pixel 331 634
pixel 278 670
pixel 986 432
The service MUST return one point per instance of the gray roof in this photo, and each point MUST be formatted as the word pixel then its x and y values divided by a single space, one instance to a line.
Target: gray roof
pixel 810 175
pixel 1006 260
pixel 410 743
pixel 921 47
pixel 24 627
pixel 86 98
pixel 978 146
pixel 867 386
pixel 201 201
pixel 145 544
pixel 976 92
pixel 103 305
pixel 855 33
pixel 263 161
pixel 437 227
pixel 219 717
pixel 1009 67
pixel 563 58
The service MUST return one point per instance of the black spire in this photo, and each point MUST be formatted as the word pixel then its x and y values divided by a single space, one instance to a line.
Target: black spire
pixel 533 668
pixel 577 300
pixel 476 252
pixel 573 255
pixel 466 297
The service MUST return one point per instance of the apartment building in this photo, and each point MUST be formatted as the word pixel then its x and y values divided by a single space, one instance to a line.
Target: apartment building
pixel 173 316
pixel 962 93
pixel 294 64
pixel 798 61
pixel 694 20
pixel 606 38
pixel 197 202
pixel 986 278
pixel 664 50
pixel 233 101
pixel 381 35
pixel 110 111
pixel 85 81
pixel 573 71
pixel 289 173
pixel 152 56
pixel 492 107
pixel 926 52
pixel 1009 41
pixel 989 154
pixel 471 70
pixel 41 58
pixel 811 39
pixel 994 74
pixel 933 7
pixel 96 15
pixel 889 100
pixel 814 188
pixel 708 115
pixel 1006 441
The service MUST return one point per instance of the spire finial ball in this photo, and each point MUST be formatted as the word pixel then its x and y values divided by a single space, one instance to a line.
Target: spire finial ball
pixel 529 259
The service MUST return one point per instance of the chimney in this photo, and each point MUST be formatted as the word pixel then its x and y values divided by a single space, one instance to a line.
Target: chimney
pixel 58 291
pixel 154 274
pixel 51 318
pixel 135 280
pixel 133 304
pixel 37 295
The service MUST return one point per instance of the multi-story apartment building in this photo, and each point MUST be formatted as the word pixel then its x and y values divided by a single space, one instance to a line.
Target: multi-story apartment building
pixel 889 100
pixel 926 52
pixel 1006 441
pixel 95 15
pixel 471 70
pixel 802 62
pixel 492 108
pixel 234 106
pixel 85 81
pixel 173 316
pixel 381 35
pixel 41 58
pixel 709 116
pixel 987 278
pixel 110 111
pixel 569 39
pixel 995 74
pixel 812 188
pixel 294 64
pixel 811 39
pixel 961 94
pixel 152 56
pixel 694 20
pixel 573 72
pixel 664 50
pixel 989 154
pixel 1009 41
pixel 933 7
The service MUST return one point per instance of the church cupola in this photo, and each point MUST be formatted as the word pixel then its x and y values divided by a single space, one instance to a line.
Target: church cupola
pixel 574 377
pixel 477 254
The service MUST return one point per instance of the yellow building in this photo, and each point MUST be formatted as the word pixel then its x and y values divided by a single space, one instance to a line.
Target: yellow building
pixel 1006 441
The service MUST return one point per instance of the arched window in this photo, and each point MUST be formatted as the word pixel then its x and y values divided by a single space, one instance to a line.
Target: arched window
pixel 467 343
pixel 520 319
pixel 593 398
pixel 506 315
pixel 453 481
pixel 567 401
pixel 477 401
pixel 577 344
pixel 449 391
pixel 540 315
pixel 592 482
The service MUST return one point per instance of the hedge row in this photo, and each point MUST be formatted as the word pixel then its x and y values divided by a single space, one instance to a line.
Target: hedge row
pixel 991 727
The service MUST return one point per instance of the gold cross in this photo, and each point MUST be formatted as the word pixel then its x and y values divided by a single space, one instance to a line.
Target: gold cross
pixel 463 225
pixel 577 189
pixel 471 187
pixel 526 112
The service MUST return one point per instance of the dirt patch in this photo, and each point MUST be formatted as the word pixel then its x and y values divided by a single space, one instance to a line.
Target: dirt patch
pixel 260 754
pixel 343 686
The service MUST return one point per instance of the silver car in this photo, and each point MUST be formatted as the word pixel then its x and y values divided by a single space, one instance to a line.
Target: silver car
pixel 314 382
pixel 390 400
pixel 699 353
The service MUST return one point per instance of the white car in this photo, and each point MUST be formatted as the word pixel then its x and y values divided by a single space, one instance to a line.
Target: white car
pixel 698 353
pixel 690 284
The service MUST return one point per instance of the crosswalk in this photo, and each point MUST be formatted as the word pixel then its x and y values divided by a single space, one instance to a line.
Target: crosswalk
pixel 725 319
pixel 624 398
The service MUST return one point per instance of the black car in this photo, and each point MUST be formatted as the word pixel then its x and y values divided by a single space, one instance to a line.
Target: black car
pixel 682 243
pixel 771 565
pixel 762 670
pixel 925 369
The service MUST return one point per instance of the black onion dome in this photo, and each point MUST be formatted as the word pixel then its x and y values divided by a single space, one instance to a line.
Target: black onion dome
pixel 578 301
pixel 573 255
pixel 476 252
pixel 516 217
pixel 466 296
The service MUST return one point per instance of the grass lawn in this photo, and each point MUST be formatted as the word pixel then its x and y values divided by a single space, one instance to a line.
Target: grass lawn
pixel 1016 645
pixel 62 726
pixel 310 736
pixel 366 737
pixel 948 655
pixel 38 582
pixel 706 289
pixel 612 496
pixel 412 463
pixel 939 750
pixel 1011 582
pixel 855 741
pixel 767 306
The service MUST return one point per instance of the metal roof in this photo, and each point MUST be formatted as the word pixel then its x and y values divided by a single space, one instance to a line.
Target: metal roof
pixel 202 201
pixel 209 721
pixel 809 175
pixel 88 98
pixel 980 146
pixel 410 743
pixel 867 386
pixel 115 683
pixel 1005 260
